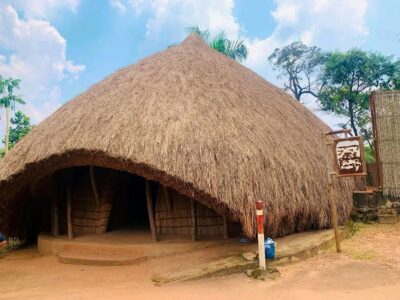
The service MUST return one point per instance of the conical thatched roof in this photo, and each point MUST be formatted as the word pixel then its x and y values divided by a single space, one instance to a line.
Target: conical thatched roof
pixel 200 123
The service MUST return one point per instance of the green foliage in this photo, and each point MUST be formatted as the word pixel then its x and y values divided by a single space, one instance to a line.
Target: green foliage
pixel 20 126
pixel 348 78
pixel 12 244
pixel 369 154
pixel 396 77
pixel 300 64
pixel 7 87
pixel 2 152
pixel 354 227
pixel 236 50
pixel 341 81
pixel 8 100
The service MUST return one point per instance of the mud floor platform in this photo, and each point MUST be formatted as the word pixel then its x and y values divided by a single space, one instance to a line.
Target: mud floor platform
pixel 124 247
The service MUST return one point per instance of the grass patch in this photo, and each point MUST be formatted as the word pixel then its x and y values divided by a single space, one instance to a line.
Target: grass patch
pixel 354 227
pixel 368 255
pixel 12 244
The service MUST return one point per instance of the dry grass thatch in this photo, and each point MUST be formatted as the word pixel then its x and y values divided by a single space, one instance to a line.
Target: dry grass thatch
pixel 200 123
pixel 387 110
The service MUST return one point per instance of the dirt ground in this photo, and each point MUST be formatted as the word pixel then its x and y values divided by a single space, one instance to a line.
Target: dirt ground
pixel 368 268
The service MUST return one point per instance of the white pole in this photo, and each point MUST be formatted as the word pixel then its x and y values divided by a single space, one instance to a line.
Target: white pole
pixel 260 234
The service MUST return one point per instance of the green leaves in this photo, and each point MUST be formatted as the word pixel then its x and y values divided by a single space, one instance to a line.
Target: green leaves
pixel 341 81
pixel 8 101
pixel 359 70
pixel 236 50
pixel 7 87
pixel 20 127
pixel 348 78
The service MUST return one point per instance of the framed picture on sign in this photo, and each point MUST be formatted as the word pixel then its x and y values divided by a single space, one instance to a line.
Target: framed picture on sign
pixel 349 156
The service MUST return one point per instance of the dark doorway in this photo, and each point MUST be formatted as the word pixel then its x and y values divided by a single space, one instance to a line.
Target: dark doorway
pixel 129 209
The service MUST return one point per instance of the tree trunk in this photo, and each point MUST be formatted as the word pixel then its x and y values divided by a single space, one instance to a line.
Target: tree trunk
pixel 351 113
pixel 7 139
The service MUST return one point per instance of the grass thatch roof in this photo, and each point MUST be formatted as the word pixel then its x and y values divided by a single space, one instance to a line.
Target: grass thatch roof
pixel 196 121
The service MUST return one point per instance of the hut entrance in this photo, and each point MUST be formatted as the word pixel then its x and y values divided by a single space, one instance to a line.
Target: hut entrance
pixel 129 209
pixel 106 200
pixel 92 200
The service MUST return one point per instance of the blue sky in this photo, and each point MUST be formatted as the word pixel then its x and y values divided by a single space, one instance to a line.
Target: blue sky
pixel 59 48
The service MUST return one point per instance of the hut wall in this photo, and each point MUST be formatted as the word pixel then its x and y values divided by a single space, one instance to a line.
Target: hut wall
pixel 387 111
pixel 88 217
pixel 175 218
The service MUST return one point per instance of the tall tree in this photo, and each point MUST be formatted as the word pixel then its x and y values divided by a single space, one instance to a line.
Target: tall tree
pixel 20 127
pixel 348 78
pixel 7 101
pixel 300 65
pixel 236 50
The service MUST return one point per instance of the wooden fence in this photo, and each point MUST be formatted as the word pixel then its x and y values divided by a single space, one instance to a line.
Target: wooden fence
pixel 385 111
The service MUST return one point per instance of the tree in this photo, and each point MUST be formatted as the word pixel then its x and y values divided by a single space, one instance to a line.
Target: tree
pixel 8 101
pixel 396 77
pixel 236 50
pixel 301 66
pixel 347 80
pixel 20 126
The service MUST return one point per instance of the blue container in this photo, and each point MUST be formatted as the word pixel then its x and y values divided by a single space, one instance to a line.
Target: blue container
pixel 269 246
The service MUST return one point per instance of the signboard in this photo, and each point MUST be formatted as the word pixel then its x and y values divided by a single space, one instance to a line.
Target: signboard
pixel 349 156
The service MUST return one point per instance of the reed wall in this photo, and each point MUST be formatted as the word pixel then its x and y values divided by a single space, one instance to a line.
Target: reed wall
pixel 387 111
pixel 174 217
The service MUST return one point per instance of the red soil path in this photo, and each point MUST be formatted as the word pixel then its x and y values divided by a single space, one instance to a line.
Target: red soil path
pixel 368 268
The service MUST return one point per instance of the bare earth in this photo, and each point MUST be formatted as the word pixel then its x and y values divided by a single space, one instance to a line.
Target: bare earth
pixel 368 268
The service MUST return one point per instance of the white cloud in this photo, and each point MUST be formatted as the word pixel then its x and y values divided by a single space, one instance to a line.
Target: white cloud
pixel 118 5
pixel 286 13
pixel 41 8
pixel 35 52
pixel 329 24
pixel 168 18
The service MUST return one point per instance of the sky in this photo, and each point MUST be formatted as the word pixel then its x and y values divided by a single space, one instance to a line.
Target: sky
pixel 59 48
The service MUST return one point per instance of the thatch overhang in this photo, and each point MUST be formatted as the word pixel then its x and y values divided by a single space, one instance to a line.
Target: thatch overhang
pixel 200 123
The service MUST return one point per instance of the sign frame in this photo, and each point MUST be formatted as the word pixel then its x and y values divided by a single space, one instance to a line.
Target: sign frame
pixel 363 163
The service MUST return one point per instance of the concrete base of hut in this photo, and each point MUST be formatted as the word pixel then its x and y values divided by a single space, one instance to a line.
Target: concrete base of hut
pixel 125 247
pixel 132 247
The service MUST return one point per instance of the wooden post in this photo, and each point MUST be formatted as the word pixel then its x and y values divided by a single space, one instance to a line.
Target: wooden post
pixel 260 234
pixel 376 140
pixel 331 197
pixel 225 227
pixel 55 223
pixel 69 213
pixel 150 212
pixel 94 187
pixel 194 219
pixel 334 217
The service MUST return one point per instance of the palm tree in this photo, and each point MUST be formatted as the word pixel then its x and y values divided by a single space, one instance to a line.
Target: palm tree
pixel 8 101
pixel 236 50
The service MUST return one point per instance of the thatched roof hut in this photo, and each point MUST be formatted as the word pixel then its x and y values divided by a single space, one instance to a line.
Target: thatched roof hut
pixel 199 123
